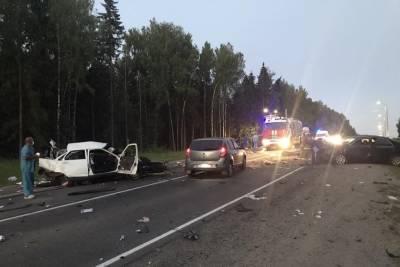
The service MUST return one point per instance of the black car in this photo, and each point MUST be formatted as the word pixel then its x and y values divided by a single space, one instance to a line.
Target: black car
pixel 368 149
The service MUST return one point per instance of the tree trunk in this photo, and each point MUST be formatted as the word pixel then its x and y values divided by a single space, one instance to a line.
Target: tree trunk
pixel 140 112
pixel 58 85
pixel 74 114
pixel 93 118
pixel 204 111
pixel 183 125
pixel 171 122
pixel 212 111
pixel 20 128
pixel 111 104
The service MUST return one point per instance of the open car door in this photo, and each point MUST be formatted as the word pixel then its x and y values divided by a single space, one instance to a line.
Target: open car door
pixel 129 159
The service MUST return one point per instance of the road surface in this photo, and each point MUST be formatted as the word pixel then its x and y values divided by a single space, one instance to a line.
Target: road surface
pixel 277 212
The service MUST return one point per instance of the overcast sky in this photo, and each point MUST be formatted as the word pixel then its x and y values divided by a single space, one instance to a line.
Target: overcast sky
pixel 345 53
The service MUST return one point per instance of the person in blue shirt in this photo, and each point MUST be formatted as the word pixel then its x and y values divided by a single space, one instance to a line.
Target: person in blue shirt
pixel 28 167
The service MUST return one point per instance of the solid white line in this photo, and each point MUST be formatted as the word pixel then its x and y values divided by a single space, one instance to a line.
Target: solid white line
pixel 90 199
pixel 170 232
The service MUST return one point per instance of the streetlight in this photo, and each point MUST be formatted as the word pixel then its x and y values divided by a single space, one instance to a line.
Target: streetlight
pixel 275 111
pixel 385 126
pixel 265 110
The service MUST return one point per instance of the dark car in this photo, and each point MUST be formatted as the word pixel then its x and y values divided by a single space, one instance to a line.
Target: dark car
pixel 214 154
pixel 369 149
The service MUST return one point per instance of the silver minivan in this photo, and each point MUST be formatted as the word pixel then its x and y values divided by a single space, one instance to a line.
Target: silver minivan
pixel 214 154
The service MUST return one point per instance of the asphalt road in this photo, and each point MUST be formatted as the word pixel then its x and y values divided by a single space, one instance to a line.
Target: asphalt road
pixel 52 231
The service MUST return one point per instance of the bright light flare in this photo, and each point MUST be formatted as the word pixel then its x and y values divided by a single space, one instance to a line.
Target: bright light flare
pixel 265 142
pixel 335 139
pixel 284 143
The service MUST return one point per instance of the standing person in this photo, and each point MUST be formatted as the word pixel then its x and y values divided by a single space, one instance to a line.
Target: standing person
pixel 255 141
pixel 28 167
pixel 245 141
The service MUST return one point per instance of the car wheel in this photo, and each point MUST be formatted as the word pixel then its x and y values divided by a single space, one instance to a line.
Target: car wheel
pixel 190 173
pixel 244 163
pixel 229 170
pixel 340 159
pixel 395 161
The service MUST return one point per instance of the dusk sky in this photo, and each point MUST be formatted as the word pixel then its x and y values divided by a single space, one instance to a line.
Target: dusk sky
pixel 345 53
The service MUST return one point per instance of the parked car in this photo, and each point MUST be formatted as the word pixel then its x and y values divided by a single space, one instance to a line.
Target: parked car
pixel 368 148
pixel 88 160
pixel 214 154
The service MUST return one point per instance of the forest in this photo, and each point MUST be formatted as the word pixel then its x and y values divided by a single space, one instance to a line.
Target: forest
pixel 70 74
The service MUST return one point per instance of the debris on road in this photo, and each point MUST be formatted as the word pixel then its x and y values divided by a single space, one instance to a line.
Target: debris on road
pixel 328 185
pixel 267 162
pixel 12 179
pixel 1 206
pixel 191 235
pixel 2 238
pixel 93 191
pixel 122 238
pixel 361 182
pixel 393 198
pixel 87 210
pixel 380 202
pixel 254 197
pixel 240 208
pixel 144 220
pixel 299 212
pixel 142 228
pixel 391 254
pixel 319 214
pixel 375 182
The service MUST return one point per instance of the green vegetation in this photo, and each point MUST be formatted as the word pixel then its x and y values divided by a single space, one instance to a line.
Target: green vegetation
pixel 9 168
pixel 163 155
pixel 69 74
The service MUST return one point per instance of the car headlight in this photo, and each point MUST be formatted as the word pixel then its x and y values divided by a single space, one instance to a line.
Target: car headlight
pixel 335 140
pixel 284 143
pixel 265 142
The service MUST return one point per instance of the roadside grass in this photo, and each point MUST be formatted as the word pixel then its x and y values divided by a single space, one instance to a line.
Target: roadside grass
pixel 163 155
pixel 8 168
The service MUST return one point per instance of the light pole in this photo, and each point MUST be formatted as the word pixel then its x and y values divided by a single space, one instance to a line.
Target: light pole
pixel 384 127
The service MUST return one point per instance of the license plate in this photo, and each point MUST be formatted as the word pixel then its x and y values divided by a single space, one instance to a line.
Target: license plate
pixel 204 165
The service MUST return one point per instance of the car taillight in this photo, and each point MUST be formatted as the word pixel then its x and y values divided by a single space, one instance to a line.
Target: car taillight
pixel 222 152
pixel 188 151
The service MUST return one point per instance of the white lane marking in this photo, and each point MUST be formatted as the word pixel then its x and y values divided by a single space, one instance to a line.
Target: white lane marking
pixel 90 199
pixel 170 232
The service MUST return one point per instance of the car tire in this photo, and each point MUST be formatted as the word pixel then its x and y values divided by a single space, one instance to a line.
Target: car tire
pixel 395 161
pixel 229 170
pixel 243 166
pixel 340 159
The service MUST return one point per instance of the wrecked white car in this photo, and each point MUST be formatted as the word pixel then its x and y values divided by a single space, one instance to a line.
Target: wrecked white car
pixel 89 160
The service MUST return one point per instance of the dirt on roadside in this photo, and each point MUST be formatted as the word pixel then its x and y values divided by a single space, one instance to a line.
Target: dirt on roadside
pixel 322 216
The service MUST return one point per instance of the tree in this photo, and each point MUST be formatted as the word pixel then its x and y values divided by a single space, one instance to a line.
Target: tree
pixel 111 34
pixel 227 73
pixel 206 66
pixel 398 127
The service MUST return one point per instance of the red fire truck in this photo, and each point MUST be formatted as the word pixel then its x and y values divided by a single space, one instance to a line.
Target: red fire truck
pixel 281 132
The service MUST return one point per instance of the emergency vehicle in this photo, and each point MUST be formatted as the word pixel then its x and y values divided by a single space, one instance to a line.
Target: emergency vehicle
pixel 281 132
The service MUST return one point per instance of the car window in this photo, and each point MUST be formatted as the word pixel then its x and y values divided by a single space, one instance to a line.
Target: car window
pixel 235 145
pixel 362 141
pixel 75 155
pixel 230 144
pixel 382 142
pixel 206 145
